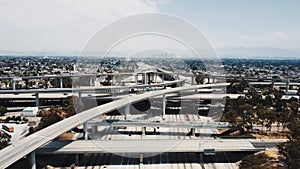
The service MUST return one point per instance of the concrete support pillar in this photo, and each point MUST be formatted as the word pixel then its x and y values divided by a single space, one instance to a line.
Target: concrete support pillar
pixel 126 111
pixel 113 79
pixel 152 78
pixel 136 79
pixel 94 129
pixel 91 80
pixel 273 83
pixel 143 131
pixel 141 158
pixel 80 96
pixel 77 159
pixel 164 106
pixel 32 164
pixel 201 158
pixel 37 100
pixel 287 85
pixel 214 79
pixel 193 131
pixel 193 80
pixel 13 84
pixel 145 78
pixel 163 78
pixel 85 131
pixel 60 82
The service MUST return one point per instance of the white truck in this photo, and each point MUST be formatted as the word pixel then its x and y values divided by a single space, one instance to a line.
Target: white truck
pixel 30 111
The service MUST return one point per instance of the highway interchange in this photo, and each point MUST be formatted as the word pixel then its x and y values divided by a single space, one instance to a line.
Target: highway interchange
pixel 40 142
pixel 27 145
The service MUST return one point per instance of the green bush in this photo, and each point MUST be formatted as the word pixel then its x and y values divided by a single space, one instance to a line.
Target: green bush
pixel 3 110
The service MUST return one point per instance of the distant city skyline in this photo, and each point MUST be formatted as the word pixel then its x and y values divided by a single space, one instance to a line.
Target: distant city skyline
pixel 269 28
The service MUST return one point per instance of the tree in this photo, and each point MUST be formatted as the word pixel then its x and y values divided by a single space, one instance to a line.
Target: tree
pixel 199 79
pixel 54 82
pixel 270 119
pixel 237 86
pixel 6 82
pixel 3 110
pixel 262 116
pixel 278 94
pixel 291 149
pixel 253 97
pixel 247 115
pixel 67 82
pixel 4 139
pixel 49 117
pixel 298 92
pixel 26 83
pixel 73 105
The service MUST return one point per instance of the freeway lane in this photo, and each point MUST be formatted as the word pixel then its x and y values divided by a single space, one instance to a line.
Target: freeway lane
pixel 14 152
pixel 161 124
pixel 147 146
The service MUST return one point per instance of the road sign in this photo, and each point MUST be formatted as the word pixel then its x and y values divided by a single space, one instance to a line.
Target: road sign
pixel 209 151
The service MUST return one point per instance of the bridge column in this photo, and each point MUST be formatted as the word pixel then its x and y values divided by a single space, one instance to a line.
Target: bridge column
pixel 13 84
pixel 94 129
pixel 32 164
pixel 164 106
pixel 126 111
pixel 193 131
pixel 287 85
pixel 91 81
pixel 192 80
pixel 37 100
pixel 85 131
pixel 77 159
pixel 141 158
pixel 113 79
pixel 201 158
pixel 145 78
pixel 136 79
pixel 60 82
pixel 143 131
pixel 80 97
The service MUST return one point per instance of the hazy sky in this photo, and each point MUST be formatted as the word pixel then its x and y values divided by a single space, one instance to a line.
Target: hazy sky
pixel 65 25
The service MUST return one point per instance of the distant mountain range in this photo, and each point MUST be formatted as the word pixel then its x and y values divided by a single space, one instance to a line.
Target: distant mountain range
pixel 264 52
pixel 29 53
pixel 235 52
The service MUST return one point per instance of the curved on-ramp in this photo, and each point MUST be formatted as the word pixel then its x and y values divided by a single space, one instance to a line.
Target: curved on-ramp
pixel 23 147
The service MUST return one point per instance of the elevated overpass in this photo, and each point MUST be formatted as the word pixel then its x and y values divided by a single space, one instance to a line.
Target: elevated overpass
pixel 29 144
pixel 104 89
pixel 80 90
pixel 155 146
pixel 211 78
pixel 161 124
